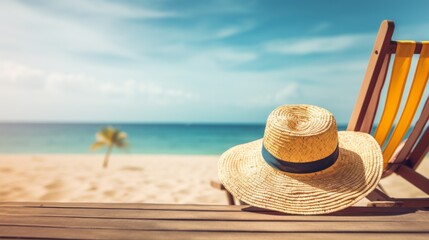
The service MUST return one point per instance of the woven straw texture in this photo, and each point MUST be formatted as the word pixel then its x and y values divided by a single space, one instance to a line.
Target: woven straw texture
pixel 356 172
pixel 300 133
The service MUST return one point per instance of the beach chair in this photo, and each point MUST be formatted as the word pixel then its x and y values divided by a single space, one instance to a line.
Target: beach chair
pixel 401 155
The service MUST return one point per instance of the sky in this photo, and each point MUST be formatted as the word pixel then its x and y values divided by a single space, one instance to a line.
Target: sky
pixel 188 61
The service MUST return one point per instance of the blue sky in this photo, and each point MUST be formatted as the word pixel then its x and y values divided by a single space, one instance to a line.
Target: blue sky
pixel 188 61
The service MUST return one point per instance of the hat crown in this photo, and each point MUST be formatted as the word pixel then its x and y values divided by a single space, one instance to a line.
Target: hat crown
pixel 300 133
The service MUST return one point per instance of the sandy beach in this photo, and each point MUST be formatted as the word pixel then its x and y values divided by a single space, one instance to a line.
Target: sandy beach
pixel 129 178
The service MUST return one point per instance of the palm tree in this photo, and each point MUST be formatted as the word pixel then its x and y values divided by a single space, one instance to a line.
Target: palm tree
pixel 110 137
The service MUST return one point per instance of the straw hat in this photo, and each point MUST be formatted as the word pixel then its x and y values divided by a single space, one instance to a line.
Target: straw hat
pixel 303 165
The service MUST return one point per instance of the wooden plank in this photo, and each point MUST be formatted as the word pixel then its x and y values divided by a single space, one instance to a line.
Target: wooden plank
pixel 394 44
pixel 63 233
pixel 354 211
pixel 371 110
pixel 192 207
pixel 420 150
pixel 309 225
pixel 220 186
pixel 6 238
pixel 381 48
pixel 246 215
pixel 402 202
pixel 385 204
pixel 182 207
pixel 378 195
pixel 217 185
pixel 418 180
pixel 157 221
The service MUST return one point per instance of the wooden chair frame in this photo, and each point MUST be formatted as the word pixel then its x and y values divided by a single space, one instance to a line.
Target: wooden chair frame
pixel 411 152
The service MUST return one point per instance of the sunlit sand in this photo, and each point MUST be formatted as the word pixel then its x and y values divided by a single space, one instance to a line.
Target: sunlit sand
pixel 129 178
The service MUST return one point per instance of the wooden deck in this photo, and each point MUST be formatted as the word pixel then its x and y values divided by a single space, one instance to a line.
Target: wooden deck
pixel 157 221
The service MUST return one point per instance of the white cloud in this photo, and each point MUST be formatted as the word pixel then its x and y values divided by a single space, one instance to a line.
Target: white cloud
pixel 32 32
pixel 220 7
pixel 19 75
pixel 320 27
pixel 76 62
pixel 144 89
pixel 65 39
pixel 16 75
pixel 127 88
pixel 230 55
pixel 62 83
pixel 158 91
pixel 286 93
pixel 110 9
pixel 227 32
pixel 191 84
pixel 272 96
pixel 314 45
pixel 234 30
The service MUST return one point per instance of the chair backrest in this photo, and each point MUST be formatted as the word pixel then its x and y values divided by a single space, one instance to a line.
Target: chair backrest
pixel 389 135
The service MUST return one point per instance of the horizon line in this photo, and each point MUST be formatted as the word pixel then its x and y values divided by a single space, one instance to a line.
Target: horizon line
pixel 137 122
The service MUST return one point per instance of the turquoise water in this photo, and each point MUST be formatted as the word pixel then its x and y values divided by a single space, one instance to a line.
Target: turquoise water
pixel 143 138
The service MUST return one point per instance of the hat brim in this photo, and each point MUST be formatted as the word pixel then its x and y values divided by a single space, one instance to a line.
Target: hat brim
pixel 357 171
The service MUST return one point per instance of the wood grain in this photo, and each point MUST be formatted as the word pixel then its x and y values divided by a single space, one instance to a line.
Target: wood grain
pixel 167 221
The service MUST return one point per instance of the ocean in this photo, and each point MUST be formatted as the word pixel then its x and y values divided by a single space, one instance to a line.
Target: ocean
pixel 71 138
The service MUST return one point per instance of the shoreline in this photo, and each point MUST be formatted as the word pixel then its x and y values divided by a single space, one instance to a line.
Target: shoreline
pixel 112 155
